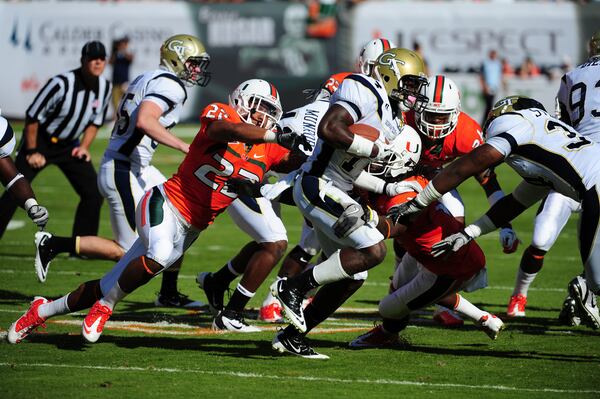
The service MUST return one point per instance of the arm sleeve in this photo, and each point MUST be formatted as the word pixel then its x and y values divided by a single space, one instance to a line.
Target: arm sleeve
pixel 355 98
pixel 47 100
pixel 562 99
pixel 164 92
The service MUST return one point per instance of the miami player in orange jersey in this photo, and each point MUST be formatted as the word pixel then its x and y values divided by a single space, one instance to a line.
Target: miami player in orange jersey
pixel 170 216
pixel 448 133
pixel 429 279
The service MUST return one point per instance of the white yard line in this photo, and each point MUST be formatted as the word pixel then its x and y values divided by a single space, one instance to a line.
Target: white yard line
pixel 361 381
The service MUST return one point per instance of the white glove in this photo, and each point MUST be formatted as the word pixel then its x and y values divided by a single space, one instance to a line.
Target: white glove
pixel 509 240
pixel 406 186
pixel 383 150
pixel 452 243
pixel 353 217
pixel 37 213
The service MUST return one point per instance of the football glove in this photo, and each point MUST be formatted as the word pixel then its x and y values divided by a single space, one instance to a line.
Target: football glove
pixel 393 189
pixel 246 187
pixel 452 243
pixel 38 214
pixel 509 240
pixel 353 217
pixel 292 141
pixel 399 213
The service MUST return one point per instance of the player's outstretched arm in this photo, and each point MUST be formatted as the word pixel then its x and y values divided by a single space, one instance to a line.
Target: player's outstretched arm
pixel 148 121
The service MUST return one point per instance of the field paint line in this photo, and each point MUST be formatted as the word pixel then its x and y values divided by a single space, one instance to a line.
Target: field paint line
pixel 361 381
pixel 190 277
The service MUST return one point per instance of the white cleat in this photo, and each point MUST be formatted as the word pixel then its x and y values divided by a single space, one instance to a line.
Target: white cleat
pixel 27 323
pixel 230 320
pixel 43 255
pixel 93 324
pixel 491 325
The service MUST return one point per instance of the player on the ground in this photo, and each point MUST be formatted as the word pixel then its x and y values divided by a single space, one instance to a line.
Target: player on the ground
pixel 448 133
pixel 14 182
pixel 579 106
pixel 549 155
pixel 422 279
pixel 170 216
pixel 340 157
pixel 150 107
pixel 260 219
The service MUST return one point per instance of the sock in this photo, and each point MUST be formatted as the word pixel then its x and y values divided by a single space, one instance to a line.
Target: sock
pixel 113 296
pixel 303 282
pixel 240 298
pixel 532 260
pixel 63 244
pixel 169 282
pixel 523 282
pixel 225 275
pixel 330 270
pixel 54 308
pixel 394 326
pixel 463 306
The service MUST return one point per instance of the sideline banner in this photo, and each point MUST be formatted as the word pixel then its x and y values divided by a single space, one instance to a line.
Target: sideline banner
pixel 41 39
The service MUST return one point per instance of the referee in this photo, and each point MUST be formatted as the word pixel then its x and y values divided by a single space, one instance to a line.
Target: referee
pixel 60 125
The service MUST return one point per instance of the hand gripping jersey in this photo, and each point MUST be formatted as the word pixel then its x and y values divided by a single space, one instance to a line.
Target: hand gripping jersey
pixel 305 121
pixel 436 153
pixel 579 98
pixel 130 144
pixel 197 189
pixel 7 138
pixel 546 151
pixel 431 226
pixel 367 102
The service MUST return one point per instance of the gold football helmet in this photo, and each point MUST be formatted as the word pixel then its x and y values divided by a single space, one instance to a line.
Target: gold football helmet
pixel 186 57
pixel 402 73
pixel 595 44
pixel 511 104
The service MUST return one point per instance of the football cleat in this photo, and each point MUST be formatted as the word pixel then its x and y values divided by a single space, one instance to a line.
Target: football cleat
pixel 491 325
pixel 446 317
pixel 27 323
pixel 214 293
pixel 271 313
pixel 377 337
pixel 516 306
pixel 296 345
pixel 587 306
pixel 568 314
pixel 177 300
pixel 291 303
pixel 43 255
pixel 93 324
pixel 230 320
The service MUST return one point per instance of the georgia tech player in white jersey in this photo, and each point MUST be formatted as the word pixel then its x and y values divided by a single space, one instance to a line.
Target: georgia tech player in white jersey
pixel 148 109
pixel 549 155
pixel 578 100
pixel 321 192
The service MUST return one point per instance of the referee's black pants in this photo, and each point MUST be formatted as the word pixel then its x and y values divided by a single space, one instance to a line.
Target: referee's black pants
pixel 81 175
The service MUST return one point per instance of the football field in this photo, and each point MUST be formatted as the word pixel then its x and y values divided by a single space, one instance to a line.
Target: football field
pixel 158 352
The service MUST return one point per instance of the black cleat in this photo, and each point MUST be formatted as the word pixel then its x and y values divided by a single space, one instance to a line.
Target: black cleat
pixel 296 345
pixel 177 300
pixel 291 303
pixel 230 320
pixel 43 255
pixel 214 293
pixel 568 314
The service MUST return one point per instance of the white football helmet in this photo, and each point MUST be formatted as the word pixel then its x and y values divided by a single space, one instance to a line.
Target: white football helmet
pixel 404 154
pixel 257 96
pixel 370 52
pixel 440 116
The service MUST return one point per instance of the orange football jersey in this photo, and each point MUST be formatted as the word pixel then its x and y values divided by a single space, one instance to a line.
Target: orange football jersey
pixel 466 136
pixel 431 226
pixel 197 189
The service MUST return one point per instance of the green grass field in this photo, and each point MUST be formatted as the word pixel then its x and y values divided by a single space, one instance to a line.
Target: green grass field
pixel 155 352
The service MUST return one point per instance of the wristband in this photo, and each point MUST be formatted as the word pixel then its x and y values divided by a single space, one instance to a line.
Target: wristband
pixel 270 137
pixel 13 181
pixel 29 203
pixel 481 226
pixel 428 195
pixel 361 146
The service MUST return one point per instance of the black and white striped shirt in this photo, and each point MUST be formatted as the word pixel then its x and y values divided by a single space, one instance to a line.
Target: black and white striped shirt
pixel 65 106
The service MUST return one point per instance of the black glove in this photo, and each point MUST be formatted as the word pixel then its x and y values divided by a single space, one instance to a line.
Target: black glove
pixel 399 213
pixel 292 141
pixel 245 187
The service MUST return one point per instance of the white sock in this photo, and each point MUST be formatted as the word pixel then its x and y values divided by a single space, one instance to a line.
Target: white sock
pixel 523 282
pixel 54 308
pixel 330 270
pixel 113 296
pixel 463 306
pixel 244 291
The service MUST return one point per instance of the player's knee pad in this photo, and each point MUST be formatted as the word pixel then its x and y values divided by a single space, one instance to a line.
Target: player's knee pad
pixel 544 238
pixel 393 307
